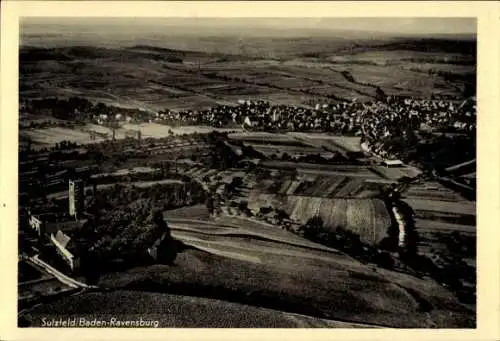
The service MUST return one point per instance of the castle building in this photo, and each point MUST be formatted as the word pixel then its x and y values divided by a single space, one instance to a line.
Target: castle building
pixel 76 198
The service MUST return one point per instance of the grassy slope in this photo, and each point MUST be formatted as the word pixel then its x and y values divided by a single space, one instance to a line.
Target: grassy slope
pixel 173 311
pixel 296 279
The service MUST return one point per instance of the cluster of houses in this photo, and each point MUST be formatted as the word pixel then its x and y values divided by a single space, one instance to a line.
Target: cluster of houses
pixel 383 122
pixel 58 234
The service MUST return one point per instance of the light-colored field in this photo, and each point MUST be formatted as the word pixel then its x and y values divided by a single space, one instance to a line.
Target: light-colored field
pixel 98 128
pixel 342 144
pixel 367 217
pixel 350 143
pixel 253 241
pixel 51 136
pixel 245 232
pixel 397 172
pixel 160 130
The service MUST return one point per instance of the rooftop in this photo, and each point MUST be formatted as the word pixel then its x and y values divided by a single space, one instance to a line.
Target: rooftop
pixel 393 162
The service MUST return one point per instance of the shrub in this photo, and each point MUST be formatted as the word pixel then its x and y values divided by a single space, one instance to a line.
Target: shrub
pixel 265 210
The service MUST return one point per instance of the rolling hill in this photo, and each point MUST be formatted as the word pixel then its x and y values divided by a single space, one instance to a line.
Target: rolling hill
pixel 194 72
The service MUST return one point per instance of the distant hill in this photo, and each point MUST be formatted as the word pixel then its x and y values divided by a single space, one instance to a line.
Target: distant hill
pixel 190 71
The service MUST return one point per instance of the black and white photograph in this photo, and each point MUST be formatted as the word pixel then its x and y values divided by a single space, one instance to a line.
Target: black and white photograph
pixel 215 172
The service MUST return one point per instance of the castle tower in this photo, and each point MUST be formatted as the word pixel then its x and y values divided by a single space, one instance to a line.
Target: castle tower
pixel 76 198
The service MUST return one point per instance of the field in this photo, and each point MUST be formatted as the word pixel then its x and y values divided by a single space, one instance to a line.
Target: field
pixel 294 144
pixel 279 151
pixel 348 146
pixel 141 184
pixel 323 169
pixel 195 72
pixel 265 138
pixel 231 232
pixel 442 206
pixel 446 225
pixel 431 190
pixel 428 225
pixel 464 207
pixel 46 137
pixel 199 212
pixel 51 136
pixel 159 130
pixel 341 185
pixel 367 217
pixel 397 172
pixel 35 281
pixel 345 143
pixel 133 170
pixel 183 312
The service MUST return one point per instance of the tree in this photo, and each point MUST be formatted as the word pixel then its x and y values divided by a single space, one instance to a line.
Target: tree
pixel 243 206
pixel 210 204
pixel 380 95
pixel 265 210
pixel 281 215
pixel 236 182
pixel 385 260
pixel 312 228
pixel 469 90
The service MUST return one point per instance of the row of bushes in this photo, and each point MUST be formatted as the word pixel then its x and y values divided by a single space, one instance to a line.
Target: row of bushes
pixel 78 109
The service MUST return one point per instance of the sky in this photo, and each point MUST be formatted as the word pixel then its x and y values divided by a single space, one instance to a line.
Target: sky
pixel 400 26
pixel 405 25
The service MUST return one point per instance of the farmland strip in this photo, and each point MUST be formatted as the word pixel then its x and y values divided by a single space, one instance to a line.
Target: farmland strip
pixel 343 188
pixel 293 187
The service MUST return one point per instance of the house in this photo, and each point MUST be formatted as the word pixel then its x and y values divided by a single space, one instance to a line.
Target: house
pixel 247 123
pixel 393 163
pixel 469 179
pixel 164 248
pixel 36 224
pixel 61 241
pixel 425 127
